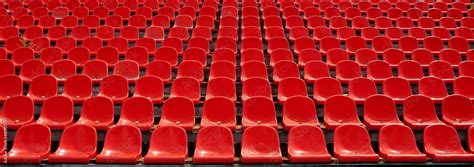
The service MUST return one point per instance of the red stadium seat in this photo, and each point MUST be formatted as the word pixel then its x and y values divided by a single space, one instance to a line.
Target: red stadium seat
pixel 347 70
pixel 168 144
pixel 336 114
pixel 257 135
pixel 128 69
pixel 457 111
pixel 73 136
pixel 98 112
pixel 30 136
pixel 285 69
pixel 138 112
pixel 433 88
pixel 262 114
pixel 221 87
pixel 352 144
pixel 114 87
pixel 361 88
pixel 186 87
pixel 95 70
pixel 191 68
pixel 442 70
pixel 43 87
pixel 21 55
pixel 397 88
pixel 410 70
pixel 10 86
pixel 315 70
pixel 31 69
pixel 301 151
pixel 256 86
pixel 218 111
pixel 303 43
pixel 290 87
pixel 178 111
pixel 465 69
pixel 57 112
pixel 79 55
pixel 336 55
pixel 224 69
pixel 299 110
pixel 435 138
pixel 403 149
pixel 116 138
pixel 17 111
pixel 419 112
pixel 379 111
pixel 253 69
pixel 219 152
pixel 462 86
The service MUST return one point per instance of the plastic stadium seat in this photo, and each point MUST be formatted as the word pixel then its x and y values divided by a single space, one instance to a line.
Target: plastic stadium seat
pixel 224 69
pixel 105 33
pixel 219 111
pixel 68 152
pixel 148 43
pixel 459 43
pixel 96 70
pixel 418 33
pixel 257 135
pixel 419 112
pixel 404 23
pixel 174 43
pixel 355 43
pixel 336 55
pixel 155 32
pixel 55 33
pixel 462 86
pixel 360 23
pixel 191 68
pixel 226 42
pixel 253 68
pixel 114 21
pixel 21 55
pixel 78 88
pixel 321 32
pixel 249 55
pixel 382 23
pixel 451 56
pixel 347 70
pixel 308 55
pixel 457 111
pixel 422 56
pixel 129 32
pixel 161 69
pixel 220 152
pixel 448 23
pixel 138 54
pixel 186 87
pixel 251 32
pixel 345 33
pixel 403 149
pixel 361 88
pixel 168 144
pixel 178 111
pixel 30 136
pixel 250 21
pixel 10 86
pixel 303 43
pixel 299 110
pixel 301 151
pixel 114 87
pixel 272 21
pixel 92 22
pixel 393 56
pixel 408 44
pixel 30 33
pixel 397 88
pixel 168 54
pixel 326 87
pixel 379 110
pixel 205 21
pixel 466 69
pixel 227 55
pixel 315 70
pixel 80 32
pixel 57 112
pixel 256 86
pixel 116 138
pixel 251 42
pixel 315 21
pixel 290 87
pixel 381 43
pixel 336 114
pixel 13 43
pixel 328 43
pixel 373 13
pixel 410 70
pixel 137 111
pixel 31 69
pixel 221 87
pixel 128 69
pixel 3 54
pixel 150 87
pixel 6 68
pixel 196 54
pixel 364 55
pixel 98 112
pixel 179 32
pixel 442 70
pixel 394 33
pixel 277 43
pixel 93 44
pixel 17 111
pixel 426 23
pixel 43 87
pixel 433 88
pixel 435 138
pixel 285 69
pixel 262 114
pixel 434 44
pixel 79 55
pixel 228 33
pixel 161 20
pixel 352 144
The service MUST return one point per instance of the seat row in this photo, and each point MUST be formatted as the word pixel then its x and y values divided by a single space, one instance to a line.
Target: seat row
pixel 168 144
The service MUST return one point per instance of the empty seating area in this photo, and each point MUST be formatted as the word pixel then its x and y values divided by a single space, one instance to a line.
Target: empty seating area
pixel 237 81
